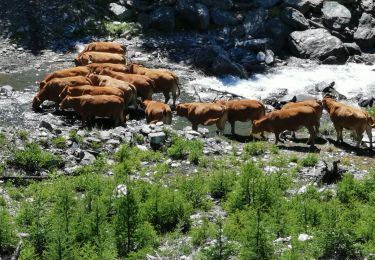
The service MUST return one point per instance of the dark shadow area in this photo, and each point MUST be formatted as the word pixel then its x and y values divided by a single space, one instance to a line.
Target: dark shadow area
pixel 241 138
pixel 302 149
pixel 352 148
pixel 56 24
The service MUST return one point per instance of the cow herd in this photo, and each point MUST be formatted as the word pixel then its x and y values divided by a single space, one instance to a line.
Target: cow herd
pixel 102 84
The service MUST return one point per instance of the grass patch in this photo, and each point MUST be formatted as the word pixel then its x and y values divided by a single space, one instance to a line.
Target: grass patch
pixel 117 28
pixel 59 142
pixel 255 148
pixel 75 137
pixel 309 160
pixel 22 134
pixel 182 148
pixel 33 158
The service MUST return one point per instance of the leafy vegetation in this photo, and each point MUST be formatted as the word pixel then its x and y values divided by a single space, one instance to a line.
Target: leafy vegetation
pixel 182 149
pixel 59 142
pixel 32 158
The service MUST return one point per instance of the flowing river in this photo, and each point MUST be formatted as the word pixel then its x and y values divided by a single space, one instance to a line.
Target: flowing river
pixel 351 79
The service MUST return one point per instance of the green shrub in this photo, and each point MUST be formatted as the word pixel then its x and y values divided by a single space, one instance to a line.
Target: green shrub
pixel 59 142
pixel 33 158
pixel 221 182
pixel 309 160
pixel 74 137
pixel 3 140
pixel 182 148
pixel 23 134
pixel 7 232
pixel 200 234
pixel 255 148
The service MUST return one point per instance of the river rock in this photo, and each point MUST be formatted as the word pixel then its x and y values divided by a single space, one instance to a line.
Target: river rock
pixel 294 18
pixel 46 125
pixel 254 21
pixel 157 138
pixel 120 11
pixel 223 4
pixel 335 15
pixel 304 5
pixel 223 17
pixel 365 33
pixel 163 18
pixel 270 57
pixel 353 48
pixel 261 56
pixel 195 15
pixel 318 44
pixel 254 44
pixel 266 3
pixel 367 5
pixel 276 29
pixel 7 89
pixel 222 65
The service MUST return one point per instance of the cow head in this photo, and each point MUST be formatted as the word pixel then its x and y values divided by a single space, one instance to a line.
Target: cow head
pixel 182 109
pixel 36 103
pixel 145 103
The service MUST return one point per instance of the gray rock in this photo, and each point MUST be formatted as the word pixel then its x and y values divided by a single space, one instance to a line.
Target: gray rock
pixel 317 44
pixel 304 5
pixel 255 44
pixel 163 18
pixel 92 140
pixel 266 3
pixel 222 65
pixel 254 21
pixel 364 36
pixel 294 18
pixel 368 5
pixel 276 29
pixel 157 138
pixel 120 11
pixel 46 125
pixel 261 56
pixel 223 17
pixel 88 158
pixel 146 129
pixel 353 48
pixel 7 89
pixel 270 57
pixel 335 15
pixel 186 12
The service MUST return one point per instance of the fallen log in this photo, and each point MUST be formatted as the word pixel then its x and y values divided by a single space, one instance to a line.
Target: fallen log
pixel 224 92
pixel 23 177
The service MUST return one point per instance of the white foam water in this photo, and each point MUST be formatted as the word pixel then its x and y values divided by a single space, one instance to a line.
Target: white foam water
pixel 351 79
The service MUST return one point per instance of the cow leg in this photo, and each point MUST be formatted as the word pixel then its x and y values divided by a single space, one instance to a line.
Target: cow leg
pixel 369 134
pixel 312 133
pixel 294 135
pixel 277 138
pixel 167 97
pixel 174 97
pixel 339 133
pixel 194 127
pixel 233 127
pixel 359 138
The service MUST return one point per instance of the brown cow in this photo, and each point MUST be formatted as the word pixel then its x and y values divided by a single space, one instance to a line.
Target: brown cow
pixel 98 67
pixel 144 85
pixel 90 90
pixel 165 81
pixel 64 73
pixel 243 111
pixel 99 57
pixel 107 81
pixel 317 105
pixel 157 112
pixel 205 114
pixel 54 87
pixel 348 117
pixel 88 106
pixel 289 119
pixel 111 47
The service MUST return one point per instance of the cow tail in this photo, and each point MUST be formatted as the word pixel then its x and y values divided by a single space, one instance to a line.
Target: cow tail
pixel 370 121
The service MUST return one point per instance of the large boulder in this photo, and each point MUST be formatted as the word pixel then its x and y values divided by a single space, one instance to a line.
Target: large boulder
pixel 304 5
pixel 335 15
pixel 294 18
pixel 276 29
pixel 120 11
pixel 222 17
pixel 365 33
pixel 163 18
pixel 194 15
pixel 317 44
pixel 254 21
pixel 216 61
pixel 266 3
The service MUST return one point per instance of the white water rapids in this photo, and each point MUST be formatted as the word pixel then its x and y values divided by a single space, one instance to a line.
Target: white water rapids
pixel 351 79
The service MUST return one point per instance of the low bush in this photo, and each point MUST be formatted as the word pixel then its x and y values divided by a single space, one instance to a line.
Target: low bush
pixel 33 158
pixel 182 149
pixel 309 160
pixel 255 148
pixel 59 142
